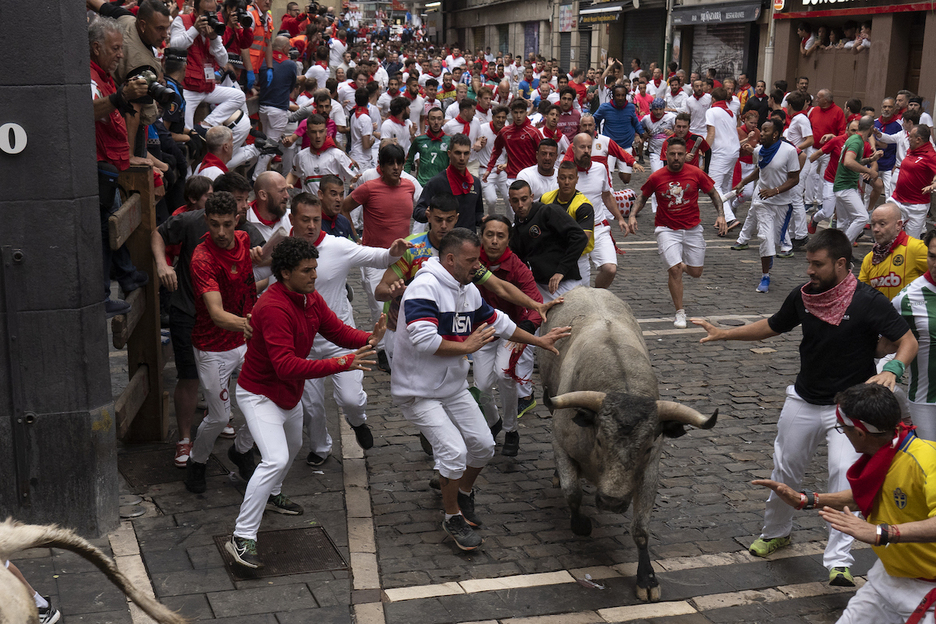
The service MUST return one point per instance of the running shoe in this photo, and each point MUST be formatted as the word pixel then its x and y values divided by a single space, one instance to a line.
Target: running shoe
pixel 841 577
pixel 763 548
pixel 511 444
pixel 244 552
pixel 281 504
pixel 525 404
pixel 365 438
pixel 466 503
pixel 228 432
pixel 182 452
pixel 680 321
pixel 764 285
pixel 49 614
pixel 740 247
pixel 460 531
pixel 315 460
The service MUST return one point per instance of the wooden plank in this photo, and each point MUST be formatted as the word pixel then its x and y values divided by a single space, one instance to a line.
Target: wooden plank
pixel 131 400
pixel 121 224
pixel 122 326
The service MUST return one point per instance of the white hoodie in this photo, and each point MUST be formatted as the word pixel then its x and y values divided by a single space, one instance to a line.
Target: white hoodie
pixel 436 307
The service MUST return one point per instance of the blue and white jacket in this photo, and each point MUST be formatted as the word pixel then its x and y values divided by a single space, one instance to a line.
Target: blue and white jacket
pixel 436 307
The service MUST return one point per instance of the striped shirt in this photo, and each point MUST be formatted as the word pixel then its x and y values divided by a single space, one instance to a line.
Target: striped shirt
pixel 917 304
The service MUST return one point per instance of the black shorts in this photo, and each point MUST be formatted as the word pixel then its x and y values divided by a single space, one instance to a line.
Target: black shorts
pixel 180 330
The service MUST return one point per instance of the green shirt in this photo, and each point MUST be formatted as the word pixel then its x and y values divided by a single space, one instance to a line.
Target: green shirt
pixel 845 178
pixel 433 157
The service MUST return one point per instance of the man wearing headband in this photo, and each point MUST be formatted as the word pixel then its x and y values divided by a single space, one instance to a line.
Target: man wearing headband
pixel 892 485
pixel 842 319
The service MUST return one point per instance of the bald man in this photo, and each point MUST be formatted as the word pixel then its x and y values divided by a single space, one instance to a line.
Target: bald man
pixel 275 89
pixel 896 259
pixel 827 121
pixel 268 211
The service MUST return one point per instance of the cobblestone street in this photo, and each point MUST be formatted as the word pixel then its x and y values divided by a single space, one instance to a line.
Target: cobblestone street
pixel 386 521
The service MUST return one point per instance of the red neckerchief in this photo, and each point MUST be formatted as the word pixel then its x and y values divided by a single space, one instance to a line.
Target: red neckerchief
pixel 410 97
pixel 435 137
pixel 722 104
pixel 802 112
pixel 395 120
pixel 866 476
pixel 656 119
pixel 886 120
pixel 391 93
pixel 360 110
pixel 327 145
pixel 228 257
pixel 268 223
pixel 880 251
pixel 279 57
pixel 322 64
pixel 657 82
pixel 466 125
pixel 493 265
pixel 676 92
pixel 804 40
pixel 320 236
pixel 483 110
pixel 551 134
pixel 210 160
pixel 308 95
pixel 698 97
pixel 830 306
pixel 590 83
pixel 343 42
pixel 460 182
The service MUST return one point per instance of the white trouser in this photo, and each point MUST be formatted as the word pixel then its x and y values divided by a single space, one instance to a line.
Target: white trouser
pixel 801 428
pixel 816 193
pixel 274 122
pixel 564 286
pixel 805 179
pixel 456 429
pixel 721 170
pixel 851 212
pixel 751 228
pixel 496 185
pixel 215 369
pixel 886 599
pixel 370 279
pixel 924 417
pixel 656 163
pixel 914 216
pixel 799 219
pixel 889 180
pixel 289 153
pixel 226 100
pixel 349 395
pixel 489 367
pixel 278 433
pixel 828 203
pixel 769 220
pixel 748 190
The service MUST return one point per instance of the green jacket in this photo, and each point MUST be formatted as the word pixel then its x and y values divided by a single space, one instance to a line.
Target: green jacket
pixel 433 157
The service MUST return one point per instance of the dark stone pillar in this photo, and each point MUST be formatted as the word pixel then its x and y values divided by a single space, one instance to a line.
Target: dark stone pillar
pixel 57 440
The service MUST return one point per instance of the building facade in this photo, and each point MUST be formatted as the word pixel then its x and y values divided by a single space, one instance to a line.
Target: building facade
pixel 515 26
pixel 726 37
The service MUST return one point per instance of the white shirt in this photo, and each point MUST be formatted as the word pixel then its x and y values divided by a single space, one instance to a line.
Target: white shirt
pixel 381 77
pixel 678 102
pixel 697 108
pixel 181 38
pixel 775 174
pixel 391 129
pixel 361 127
pixel 810 42
pixel 451 63
pixel 337 114
pixel 209 172
pixel 539 183
pixel 346 91
pixel 453 127
pixel 319 74
pixel 424 77
pixel 799 129
pixel 417 112
pixel 383 103
pixel 310 168
pixel 735 105
pixel 484 154
pixel 634 75
pixel 592 184
pixel 452 111
pixel 726 141
pixel 657 130
pixel 267 230
pixel 655 91
pixel 336 53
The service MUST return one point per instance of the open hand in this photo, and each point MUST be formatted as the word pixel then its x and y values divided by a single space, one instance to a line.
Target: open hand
pixel 379 328
pixel 787 494
pixel 714 333
pixel 362 358
pixel 556 333
pixel 479 337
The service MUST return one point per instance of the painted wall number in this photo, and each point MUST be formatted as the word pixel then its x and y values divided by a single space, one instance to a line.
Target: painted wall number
pixel 12 138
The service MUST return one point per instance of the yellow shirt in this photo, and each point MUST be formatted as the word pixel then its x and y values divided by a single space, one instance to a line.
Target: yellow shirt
pixel 908 495
pixel 580 209
pixel 906 263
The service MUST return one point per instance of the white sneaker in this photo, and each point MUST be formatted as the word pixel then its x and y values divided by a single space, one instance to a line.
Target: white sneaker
pixel 680 321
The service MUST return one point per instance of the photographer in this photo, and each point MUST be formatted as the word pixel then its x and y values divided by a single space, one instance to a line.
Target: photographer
pixel 106 45
pixel 198 33
pixel 238 36
pixel 293 22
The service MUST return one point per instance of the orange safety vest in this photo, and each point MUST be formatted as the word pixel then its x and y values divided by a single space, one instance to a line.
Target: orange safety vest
pixel 262 36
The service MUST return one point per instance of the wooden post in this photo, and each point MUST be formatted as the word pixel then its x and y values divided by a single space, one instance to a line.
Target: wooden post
pixel 144 347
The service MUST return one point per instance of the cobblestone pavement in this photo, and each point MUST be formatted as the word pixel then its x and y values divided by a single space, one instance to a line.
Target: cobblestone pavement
pixel 404 570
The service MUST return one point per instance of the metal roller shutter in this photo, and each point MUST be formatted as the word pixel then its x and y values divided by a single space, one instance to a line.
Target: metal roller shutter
pixel 583 59
pixel 721 46
pixel 643 36
pixel 565 50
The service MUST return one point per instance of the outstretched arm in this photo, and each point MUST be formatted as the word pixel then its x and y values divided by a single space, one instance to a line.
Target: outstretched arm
pixel 753 332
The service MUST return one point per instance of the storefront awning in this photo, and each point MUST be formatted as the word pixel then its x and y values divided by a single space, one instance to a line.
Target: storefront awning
pixel 716 13
pixel 603 12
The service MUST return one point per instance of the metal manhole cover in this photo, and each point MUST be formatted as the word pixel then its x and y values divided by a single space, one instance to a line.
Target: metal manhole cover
pixel 155 467
pixel 285 552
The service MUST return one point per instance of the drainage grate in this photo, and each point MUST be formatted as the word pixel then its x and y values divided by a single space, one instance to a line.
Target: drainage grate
pixel 287 551
pixel 155 467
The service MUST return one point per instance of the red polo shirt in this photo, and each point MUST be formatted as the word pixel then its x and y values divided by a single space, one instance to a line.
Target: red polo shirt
pixel 828 121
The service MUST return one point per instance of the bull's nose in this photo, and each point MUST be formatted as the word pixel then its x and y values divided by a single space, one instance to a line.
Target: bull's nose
pixel 611 503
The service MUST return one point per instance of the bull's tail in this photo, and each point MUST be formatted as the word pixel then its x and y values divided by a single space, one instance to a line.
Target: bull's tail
pixel 15 537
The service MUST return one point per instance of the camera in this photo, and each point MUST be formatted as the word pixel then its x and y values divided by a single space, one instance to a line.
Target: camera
pixel 161 93
pixel 315 8
pixel 243 17
pixel 215 24
pixel 293 54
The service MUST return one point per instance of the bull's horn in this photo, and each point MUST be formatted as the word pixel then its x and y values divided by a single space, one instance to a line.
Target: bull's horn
pixel 669 410
pixel 588 399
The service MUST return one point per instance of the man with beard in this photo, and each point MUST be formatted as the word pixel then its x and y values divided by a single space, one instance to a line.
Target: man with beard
pixel 758 102
pixel 268 211
pixel 841 320
pixel 680 239
pixel 896 259
pixel 432 149
pixel 569 198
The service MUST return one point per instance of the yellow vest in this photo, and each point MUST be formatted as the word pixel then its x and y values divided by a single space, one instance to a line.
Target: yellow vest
pixel 578 200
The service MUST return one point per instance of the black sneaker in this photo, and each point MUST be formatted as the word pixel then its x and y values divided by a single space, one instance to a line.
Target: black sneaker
pixel 464 536
pixel 244 462
pixel 281 504
pixel 496 427
pixel 511 444
pixel 315 460
pixel 424 443
pixel 467 507
pixel 364 436
pixel 383 363
pixel 244 552
pixel 525 404
pixel 115 307
pixel 50 614
pixel 195 477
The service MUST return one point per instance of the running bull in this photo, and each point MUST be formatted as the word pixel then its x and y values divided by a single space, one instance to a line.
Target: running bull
pixel 608 421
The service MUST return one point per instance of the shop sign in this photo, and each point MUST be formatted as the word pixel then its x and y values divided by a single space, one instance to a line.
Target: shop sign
pixel 599 18
pixel 778 5
pixel 719 14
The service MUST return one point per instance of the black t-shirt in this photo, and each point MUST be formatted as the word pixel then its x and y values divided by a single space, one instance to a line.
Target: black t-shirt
pixel 833 358
pixel 549 241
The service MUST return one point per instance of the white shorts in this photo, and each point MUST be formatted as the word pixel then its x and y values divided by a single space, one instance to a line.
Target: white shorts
pixel 678 246
pixel 604 252
pixel 622 166
pixel 770 221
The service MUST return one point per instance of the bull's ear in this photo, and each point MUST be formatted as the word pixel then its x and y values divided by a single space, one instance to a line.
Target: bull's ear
pixel 671 429
pixel 584 418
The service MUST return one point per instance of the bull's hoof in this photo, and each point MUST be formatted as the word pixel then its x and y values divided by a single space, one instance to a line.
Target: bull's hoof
pixel 651 594
pixel 581 526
